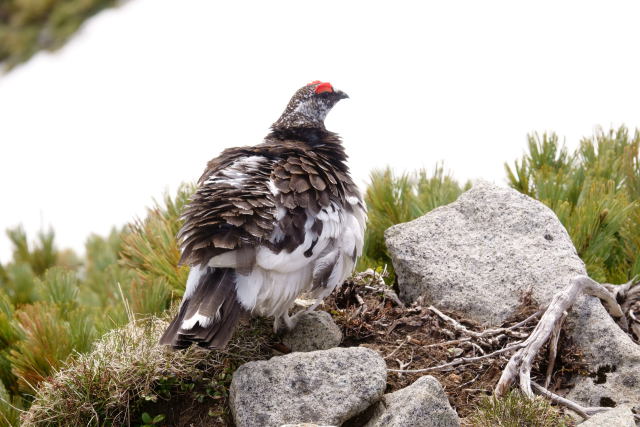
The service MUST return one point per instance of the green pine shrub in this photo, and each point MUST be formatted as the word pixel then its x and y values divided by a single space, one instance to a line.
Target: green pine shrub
pixel 20 283
pixel 40 256
pixel 595 192
pixel 9 335
pixel 53 305
pixel 10 408
pixel 392 199
pixel 150 248
pixel 28 26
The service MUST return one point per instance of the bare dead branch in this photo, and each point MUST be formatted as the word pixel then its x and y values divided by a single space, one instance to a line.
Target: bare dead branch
pixel 448 343
pixel 488 332
pixel 580 410
pixel 553 349
pixel 399 346
pixel 521 362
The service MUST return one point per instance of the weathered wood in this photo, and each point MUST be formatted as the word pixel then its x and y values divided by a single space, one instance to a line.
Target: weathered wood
pixel 577 408
pixel 520 363
pixel 553 349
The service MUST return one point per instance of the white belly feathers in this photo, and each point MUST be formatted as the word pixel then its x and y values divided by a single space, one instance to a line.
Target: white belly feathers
pixel 279 278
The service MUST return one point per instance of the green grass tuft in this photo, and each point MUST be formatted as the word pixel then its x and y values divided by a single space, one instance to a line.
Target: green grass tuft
pixel 516 410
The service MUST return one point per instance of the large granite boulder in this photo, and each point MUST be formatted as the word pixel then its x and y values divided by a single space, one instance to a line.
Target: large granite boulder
pixel 324 387
pixel 422 404
pixel 481 254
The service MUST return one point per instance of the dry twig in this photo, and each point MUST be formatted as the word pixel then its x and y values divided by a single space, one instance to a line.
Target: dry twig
pixel 488 332
pixel 460 360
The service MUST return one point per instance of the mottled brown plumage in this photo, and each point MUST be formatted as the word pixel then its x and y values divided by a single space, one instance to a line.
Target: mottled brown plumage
pixel 222 217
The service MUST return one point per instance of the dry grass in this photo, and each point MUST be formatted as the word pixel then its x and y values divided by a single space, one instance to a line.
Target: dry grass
pixel 128 373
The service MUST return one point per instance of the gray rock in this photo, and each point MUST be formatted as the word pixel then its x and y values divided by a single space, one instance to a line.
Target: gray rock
pixel 321 387
pixel 422 404
pixel 482 253
pixel 616 417
pixel 315 330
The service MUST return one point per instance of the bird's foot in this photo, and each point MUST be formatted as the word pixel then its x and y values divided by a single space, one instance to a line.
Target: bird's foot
pixel 283 324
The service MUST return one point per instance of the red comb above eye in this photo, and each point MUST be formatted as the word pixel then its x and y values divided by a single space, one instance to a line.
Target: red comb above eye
pixel 324 87
pixel 315 82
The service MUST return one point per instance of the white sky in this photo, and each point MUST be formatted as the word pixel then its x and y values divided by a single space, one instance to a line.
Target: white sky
pixel 140 99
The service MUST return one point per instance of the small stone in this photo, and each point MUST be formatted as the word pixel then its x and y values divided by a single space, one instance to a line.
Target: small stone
pixel 422 404
pixel 325 387
pixel 315 330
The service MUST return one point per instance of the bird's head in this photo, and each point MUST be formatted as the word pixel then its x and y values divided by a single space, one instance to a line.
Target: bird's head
pixel 309 106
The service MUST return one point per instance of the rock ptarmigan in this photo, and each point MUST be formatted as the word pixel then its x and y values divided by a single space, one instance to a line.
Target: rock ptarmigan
pixel 268 223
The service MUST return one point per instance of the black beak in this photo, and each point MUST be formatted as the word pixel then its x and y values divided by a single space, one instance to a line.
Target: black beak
pixel 338 95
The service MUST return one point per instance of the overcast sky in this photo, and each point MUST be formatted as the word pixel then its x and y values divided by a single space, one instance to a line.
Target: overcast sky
pixel 145 94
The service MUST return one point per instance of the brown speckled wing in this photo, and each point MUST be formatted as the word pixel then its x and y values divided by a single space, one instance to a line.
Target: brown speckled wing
pixel 231 208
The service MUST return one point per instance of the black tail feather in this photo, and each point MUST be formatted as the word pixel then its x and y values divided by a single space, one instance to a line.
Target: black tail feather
pixel 214 297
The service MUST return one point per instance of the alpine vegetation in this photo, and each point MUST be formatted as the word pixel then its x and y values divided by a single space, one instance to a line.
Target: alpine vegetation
pixel 79 336
pixel 55 305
